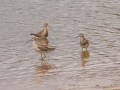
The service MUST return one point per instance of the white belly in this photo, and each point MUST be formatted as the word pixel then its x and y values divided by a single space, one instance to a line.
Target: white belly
pixel 35 46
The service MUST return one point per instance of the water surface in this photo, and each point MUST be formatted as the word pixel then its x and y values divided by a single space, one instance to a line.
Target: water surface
pixel 66 68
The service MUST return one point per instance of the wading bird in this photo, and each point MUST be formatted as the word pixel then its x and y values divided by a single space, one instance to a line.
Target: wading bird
pixel 83 42
pixel 43 33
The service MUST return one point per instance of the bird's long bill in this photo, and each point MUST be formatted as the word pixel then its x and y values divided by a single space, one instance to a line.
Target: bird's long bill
pixel 49 26
pixel 77 36
pixel 28 41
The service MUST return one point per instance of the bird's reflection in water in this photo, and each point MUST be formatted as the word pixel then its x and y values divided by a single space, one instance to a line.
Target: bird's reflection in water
pixel 84 55
pixel 41 45
pixel 43 68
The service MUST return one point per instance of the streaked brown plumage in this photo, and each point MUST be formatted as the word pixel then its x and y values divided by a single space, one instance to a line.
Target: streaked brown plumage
pixel 41 45
pixel 43 33
pixel 83 42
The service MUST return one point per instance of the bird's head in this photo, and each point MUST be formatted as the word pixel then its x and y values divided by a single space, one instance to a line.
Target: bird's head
pixel 45 25
pixel 80 35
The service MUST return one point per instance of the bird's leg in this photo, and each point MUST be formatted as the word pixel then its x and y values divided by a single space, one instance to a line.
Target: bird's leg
pixel 42 61
pixel 86 49
pixel 44 55
pixel 41 56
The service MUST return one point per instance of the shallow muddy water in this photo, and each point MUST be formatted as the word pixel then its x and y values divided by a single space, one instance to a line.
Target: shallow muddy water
pixel 67 67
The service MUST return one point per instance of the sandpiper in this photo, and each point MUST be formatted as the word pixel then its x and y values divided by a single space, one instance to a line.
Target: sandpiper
pixel 83 42
pixel 43 33
pixel 41 46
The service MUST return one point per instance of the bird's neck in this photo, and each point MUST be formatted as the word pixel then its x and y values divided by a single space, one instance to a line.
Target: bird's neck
pixel 45 29
pixel 82 38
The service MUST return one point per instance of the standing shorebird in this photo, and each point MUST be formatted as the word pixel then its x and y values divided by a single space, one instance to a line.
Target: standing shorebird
pixel 41 46
pixel 83 42
pixel 43 33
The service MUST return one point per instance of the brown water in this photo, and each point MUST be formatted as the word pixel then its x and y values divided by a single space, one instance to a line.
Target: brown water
pixel 66 68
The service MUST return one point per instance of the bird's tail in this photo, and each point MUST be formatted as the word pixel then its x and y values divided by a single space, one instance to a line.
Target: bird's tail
pixel 35 35
pixel 50 49
pixel 32 34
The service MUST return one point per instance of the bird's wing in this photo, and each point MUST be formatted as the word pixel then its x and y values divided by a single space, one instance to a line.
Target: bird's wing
pixel 41 45
pixel 84 42
pixel 40 32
